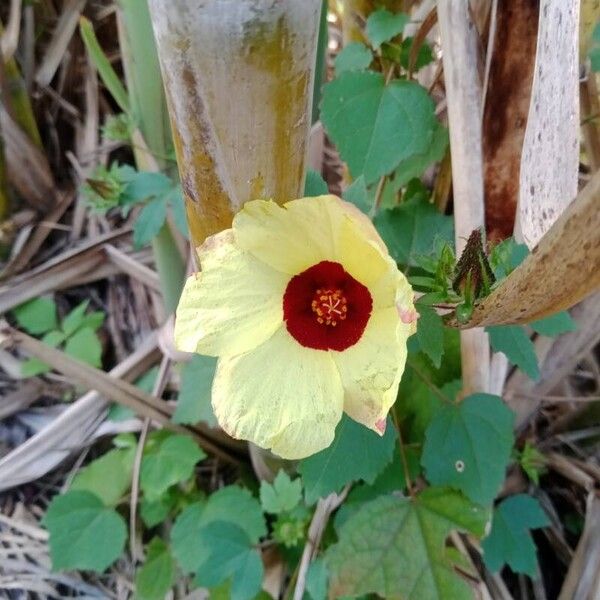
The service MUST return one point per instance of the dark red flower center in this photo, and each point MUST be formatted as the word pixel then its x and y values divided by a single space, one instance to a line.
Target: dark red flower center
pixel 325 308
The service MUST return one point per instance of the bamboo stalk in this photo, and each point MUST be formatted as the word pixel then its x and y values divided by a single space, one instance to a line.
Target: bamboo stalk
pixel 463 93
pixel 239 80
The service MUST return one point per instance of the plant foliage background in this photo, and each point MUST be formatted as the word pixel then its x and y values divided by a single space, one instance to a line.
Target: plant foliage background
pixel 450 499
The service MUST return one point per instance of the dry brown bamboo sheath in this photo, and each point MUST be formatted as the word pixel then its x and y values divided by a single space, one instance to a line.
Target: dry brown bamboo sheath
pixel 561 271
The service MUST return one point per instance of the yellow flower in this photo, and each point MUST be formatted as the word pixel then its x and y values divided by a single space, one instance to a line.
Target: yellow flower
pixel 309 317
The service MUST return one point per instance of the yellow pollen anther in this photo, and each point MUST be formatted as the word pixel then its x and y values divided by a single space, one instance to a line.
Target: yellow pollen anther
pixel 329 306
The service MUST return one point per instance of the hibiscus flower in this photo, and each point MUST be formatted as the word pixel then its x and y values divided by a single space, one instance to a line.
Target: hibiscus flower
pixel 309 317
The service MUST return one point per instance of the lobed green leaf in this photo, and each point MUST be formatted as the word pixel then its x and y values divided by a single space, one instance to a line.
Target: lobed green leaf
pixel 84 534
pixel 395 547
pixel 468 446
pixel 355 56
pixel 356 453
pixel 37 316
pixel 155 578
pixel 170 462
pixel 510 541
pixel 374 125
pixel 282 495
pixel 382 26
pixel 513 341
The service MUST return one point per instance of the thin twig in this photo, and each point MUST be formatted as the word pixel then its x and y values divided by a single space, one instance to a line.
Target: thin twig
pixel 325 506
pixel 158 389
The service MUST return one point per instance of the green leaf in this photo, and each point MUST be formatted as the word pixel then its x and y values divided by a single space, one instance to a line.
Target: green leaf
pixel 374 125
pixel 156 511
pixel 421 385
pixel 172 461
pixel 93 320
pixel 36 316
pixel 355 56
pixel 395 547
pixel 506 256
pixel 532 461
pixel 382 26
pixel 231 555
pixel 108 75
pixel 554 325
pixel 85 346
pixel 149 221
pixel 193 402
pixel 314 184
pixel 233 504
pixel 356 453
pixel 358 195
pixel 424 56
pixel 316 580
pixel 77 319
pixel 177 204
pixel 423 403
pixel 222 505
pixel 430 334
pixel 84 534
pixel 415 165
pixel 289 528
pixel 514 342
pixel 509 541
pixel 145 185
pixel 157 575
pixel 468 446
pixel 145 382
pixel 282 495
pixel 392 479
pixel 412 228
pixel 34 366
pixel 223 592
pixel 108 477
pixel 74 319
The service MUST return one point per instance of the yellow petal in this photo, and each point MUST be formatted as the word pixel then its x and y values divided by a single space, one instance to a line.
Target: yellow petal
pixel 281 396
pixel 307 231
pixel 233 305
pixel 287 242
pixel 405 298
pixel 371 369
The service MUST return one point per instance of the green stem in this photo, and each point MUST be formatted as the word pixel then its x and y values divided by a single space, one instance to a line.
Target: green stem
pixel 147 102
pixel 321 63
pixel 170 267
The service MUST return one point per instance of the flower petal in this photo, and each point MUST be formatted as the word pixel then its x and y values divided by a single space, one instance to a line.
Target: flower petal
pixel 307 231
pixel 280 396
pixel 371 369
pixel 287 240
pixel 231 306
